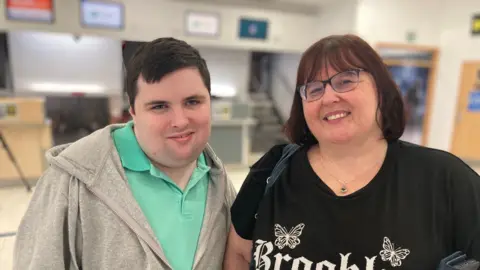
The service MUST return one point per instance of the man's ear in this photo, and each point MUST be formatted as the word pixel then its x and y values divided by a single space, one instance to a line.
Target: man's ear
pixel 131 111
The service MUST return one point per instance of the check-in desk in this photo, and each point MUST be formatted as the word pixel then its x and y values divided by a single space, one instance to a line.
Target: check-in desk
pixel 28 136
pixel 230 136
pixel 231 140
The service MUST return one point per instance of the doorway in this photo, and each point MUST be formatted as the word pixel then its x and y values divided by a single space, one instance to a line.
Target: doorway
pixel 260 73
pixel 466 135
pixel 268 130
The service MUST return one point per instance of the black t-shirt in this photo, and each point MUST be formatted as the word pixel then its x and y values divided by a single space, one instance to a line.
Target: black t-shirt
pixel 423 205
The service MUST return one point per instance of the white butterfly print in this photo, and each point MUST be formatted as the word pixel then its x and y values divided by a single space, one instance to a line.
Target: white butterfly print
pixel 389 253
pixel 291 238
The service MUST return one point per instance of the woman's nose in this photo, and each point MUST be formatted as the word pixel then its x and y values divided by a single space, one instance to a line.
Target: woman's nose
pixel 330 96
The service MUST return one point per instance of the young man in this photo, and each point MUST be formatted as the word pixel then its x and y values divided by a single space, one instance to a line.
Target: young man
pixel 150 194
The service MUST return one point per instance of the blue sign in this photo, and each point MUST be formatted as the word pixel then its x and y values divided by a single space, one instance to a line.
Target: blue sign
pixel 253 29
pixel 474 101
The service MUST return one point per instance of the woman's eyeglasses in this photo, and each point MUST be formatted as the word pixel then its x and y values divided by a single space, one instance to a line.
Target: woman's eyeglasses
pixel 341 82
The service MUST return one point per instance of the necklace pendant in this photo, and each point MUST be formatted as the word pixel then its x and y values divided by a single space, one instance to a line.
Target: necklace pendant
pixel 344 190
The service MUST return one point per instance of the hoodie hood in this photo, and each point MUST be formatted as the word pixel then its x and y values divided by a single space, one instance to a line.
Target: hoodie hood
pixel 85 158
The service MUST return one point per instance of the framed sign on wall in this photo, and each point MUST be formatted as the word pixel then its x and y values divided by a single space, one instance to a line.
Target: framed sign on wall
pixel 253 29
pixel 30 11
pixel 205 24
pixel 102 14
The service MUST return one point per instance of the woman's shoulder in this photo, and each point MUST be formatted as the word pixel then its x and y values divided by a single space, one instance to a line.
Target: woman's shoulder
pixel 264 166
pixel 270 158
pixel 431 158
pixel 424 153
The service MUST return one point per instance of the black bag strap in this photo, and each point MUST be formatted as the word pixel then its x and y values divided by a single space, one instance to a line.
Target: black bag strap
pixel 282 163
pixel 280 166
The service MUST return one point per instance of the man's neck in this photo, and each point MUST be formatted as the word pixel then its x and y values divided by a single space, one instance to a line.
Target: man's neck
pixel 180 175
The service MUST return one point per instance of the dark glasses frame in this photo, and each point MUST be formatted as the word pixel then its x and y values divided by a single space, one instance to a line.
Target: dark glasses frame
pixel 302 88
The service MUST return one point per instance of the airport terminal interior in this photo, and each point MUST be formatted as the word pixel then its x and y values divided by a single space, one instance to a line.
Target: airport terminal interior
pixel 62 68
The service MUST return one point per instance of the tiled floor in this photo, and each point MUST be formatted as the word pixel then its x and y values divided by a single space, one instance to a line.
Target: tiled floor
pixel 14 201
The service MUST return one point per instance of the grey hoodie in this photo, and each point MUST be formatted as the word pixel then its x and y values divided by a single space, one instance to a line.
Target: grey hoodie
pixel 84 216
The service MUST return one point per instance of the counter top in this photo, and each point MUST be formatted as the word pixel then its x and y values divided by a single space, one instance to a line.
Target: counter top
pixel 6 124
pixel 234 122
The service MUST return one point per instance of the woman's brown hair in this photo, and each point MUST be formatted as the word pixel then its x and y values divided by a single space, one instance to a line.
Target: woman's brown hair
pixel 343 52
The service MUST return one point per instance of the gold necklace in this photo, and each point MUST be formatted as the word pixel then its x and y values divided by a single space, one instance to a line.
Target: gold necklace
pixel 343 188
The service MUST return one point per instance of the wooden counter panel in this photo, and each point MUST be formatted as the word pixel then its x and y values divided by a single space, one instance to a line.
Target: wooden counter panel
pixel 28 110
pixel 28 144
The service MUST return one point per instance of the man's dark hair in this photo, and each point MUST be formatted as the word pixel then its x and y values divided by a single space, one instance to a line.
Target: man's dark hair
pixel 153 60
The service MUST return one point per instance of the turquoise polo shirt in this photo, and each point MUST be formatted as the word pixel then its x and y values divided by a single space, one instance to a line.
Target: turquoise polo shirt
pixel 175 215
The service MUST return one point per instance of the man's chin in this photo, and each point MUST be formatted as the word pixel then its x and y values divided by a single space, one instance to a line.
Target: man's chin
pixel 186 156
pixel 175 161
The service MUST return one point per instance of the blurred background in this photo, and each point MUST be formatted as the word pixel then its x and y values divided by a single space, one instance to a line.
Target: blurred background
pixel 62 69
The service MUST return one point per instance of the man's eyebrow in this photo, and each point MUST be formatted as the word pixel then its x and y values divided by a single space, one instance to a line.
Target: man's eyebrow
pixel 164 102
pixel 156 102
pixel 201 97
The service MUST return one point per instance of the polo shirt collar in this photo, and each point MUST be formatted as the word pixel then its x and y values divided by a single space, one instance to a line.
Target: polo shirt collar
pixel 130 152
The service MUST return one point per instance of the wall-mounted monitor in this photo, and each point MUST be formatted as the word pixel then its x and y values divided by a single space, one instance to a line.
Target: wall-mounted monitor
pixel 30 11
pixel 102 14
pixel 204 24
pixel 253 29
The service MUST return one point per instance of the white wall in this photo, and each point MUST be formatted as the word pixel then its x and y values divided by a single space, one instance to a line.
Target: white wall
pixel 337 18
pixel 390 20
pixel 456 46
pixel 149 19
pixel 49 62
pixel 230 68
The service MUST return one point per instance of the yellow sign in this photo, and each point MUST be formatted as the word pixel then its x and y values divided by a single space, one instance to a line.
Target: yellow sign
pixel 476 25
pixel 8 110
pixel 11 110
pixel 221 110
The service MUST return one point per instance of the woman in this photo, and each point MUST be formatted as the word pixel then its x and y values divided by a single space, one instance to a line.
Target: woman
pixel 353 196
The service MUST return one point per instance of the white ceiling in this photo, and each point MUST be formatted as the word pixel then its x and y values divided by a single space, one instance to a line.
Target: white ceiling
pixel 310 2
pixel 303 6
pixel 299 2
